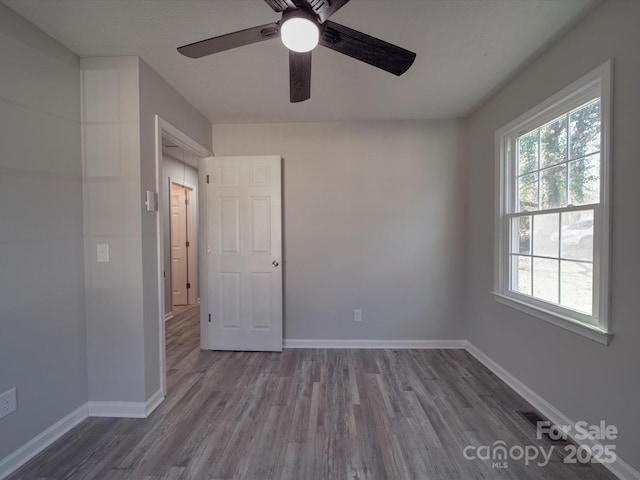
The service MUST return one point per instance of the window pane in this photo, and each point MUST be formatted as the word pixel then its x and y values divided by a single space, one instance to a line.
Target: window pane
pixel 577 286
pixel 584 128
pixel 545 279
pixel 521 235
pixel 546 235
pixel 577 235
pixel 553 187
pixel 521 281
pixel 584 180
pixel 528 192
pixel 528 153
pixel 553 143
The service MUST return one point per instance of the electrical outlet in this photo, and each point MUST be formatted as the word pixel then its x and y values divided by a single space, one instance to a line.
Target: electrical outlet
pixel 357 315
pixel 8 403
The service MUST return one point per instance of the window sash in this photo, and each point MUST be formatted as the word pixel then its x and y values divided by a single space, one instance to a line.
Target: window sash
pixel 512 210
pixel 510 267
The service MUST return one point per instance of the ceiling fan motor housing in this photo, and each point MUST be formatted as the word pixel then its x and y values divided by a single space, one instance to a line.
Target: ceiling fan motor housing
pixel 280 5
pixel 299 13
pixel 320 8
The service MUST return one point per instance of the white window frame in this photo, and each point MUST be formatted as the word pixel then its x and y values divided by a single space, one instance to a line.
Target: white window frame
pixel 596 83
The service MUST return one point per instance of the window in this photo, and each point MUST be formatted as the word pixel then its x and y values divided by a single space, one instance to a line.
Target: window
pixel 552 223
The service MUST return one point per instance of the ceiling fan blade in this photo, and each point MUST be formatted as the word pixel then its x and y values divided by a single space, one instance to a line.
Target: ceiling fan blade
pixel 231 40
pixel 365 48
pixel 334 6
pixel 299 76
pixel 281 5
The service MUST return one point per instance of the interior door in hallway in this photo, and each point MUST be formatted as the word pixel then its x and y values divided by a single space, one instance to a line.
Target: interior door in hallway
pixel 179 245
pixel 244 245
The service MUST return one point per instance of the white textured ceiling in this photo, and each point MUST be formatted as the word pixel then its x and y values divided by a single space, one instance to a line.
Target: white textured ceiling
pixel 465 50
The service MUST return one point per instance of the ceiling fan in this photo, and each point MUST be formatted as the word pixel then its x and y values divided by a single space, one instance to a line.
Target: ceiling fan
pixel 304 25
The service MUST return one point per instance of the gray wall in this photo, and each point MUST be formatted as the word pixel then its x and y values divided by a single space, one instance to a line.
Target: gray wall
pixel 111 129
pixel 157 97
pixel 42 332
pixel 583 379
pixel 373 217
pixel 173 169
pixel 121 96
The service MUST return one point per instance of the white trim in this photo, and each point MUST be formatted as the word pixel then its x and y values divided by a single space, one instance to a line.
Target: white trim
pixel 620 468
pixel 22 455
pixel 117 409
pixel 183 140
pixel 606 142
pixel 126 409
pixel 593 333
pixel 26 452
pixel 168 316
pixel 37 444
pixel 375 344
pixel 203 254
pixel 595 84
pixel 154 402
pixel 182 183
pixel 164 128
pixel 540 113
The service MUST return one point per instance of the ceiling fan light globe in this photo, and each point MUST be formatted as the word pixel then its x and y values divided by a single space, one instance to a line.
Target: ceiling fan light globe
pixel 299 34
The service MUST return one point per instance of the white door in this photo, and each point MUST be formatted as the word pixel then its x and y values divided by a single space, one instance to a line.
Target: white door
pixel 179 261
pixel 244 250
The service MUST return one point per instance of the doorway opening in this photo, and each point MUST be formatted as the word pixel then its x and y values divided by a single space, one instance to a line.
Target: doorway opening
pixel 179 250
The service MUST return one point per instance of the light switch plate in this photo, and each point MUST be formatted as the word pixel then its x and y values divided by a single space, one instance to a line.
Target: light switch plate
pixel 103 252
pixel 150 201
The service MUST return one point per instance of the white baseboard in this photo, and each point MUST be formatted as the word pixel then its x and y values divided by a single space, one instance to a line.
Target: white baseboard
pixel 154 402
pixel 126 409
pixel 15 460
pixel 34 446
pixel 620 468
pixel 623 470
pixel 375 344
pixel 168 316
pixel 117 409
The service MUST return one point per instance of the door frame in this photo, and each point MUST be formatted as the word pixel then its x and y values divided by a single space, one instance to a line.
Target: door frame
pixel 167 130
pixel 196 217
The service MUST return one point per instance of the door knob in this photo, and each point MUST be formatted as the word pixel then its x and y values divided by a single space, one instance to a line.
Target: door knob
pixel 275 263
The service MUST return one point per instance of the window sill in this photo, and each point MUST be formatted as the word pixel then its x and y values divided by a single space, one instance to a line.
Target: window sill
pixel 593 333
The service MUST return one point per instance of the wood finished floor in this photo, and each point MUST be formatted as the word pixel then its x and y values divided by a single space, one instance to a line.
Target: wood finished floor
pixel 307 414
